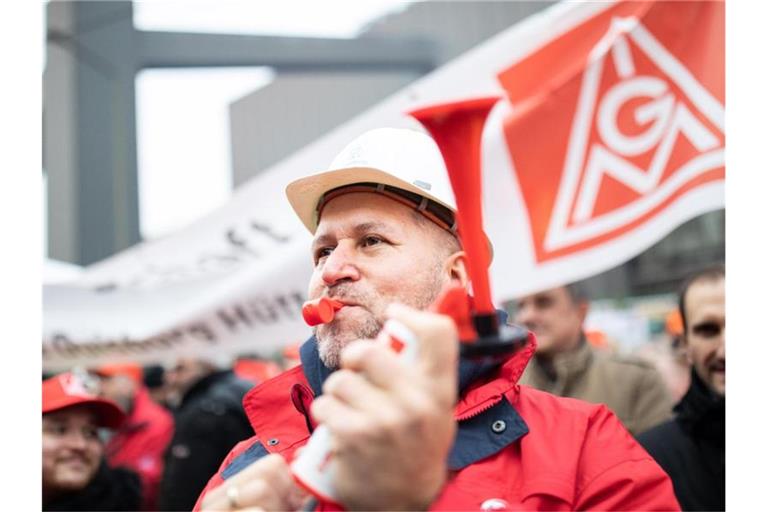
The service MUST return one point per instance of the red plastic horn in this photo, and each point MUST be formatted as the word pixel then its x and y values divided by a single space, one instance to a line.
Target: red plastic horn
pixel 320 310
pixel 457 128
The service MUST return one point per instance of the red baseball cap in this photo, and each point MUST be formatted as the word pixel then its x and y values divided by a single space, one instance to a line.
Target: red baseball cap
pixel 132 370
pixel 67 390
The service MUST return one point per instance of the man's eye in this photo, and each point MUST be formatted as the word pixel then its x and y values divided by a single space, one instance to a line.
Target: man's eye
pixel 57 429
pixel 707 329
pixel 91 433
pixel 323 253
pixel 371 240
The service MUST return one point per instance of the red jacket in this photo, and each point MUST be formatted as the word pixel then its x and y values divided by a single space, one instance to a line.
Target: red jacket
pixel 140 444
pixel 516 448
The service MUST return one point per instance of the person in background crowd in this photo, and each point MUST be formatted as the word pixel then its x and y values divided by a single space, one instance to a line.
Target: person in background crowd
pixel 438 433
pixel 75 475
pixel 566 365
pixel 666 355
pixel 209 421
pixel 154 381
pixel 691 447
pixel 141 442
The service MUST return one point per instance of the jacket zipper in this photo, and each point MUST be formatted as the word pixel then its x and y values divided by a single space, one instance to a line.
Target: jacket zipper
pixel 479 410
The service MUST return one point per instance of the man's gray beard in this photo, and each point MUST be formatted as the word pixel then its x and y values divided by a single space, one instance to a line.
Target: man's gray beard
pixel 332 341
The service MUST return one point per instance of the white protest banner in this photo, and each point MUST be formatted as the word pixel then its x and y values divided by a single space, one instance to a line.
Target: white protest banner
pixel 610 135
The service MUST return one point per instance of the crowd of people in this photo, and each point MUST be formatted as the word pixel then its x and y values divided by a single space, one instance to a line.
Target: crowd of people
pixel 561 424
pixel 157 434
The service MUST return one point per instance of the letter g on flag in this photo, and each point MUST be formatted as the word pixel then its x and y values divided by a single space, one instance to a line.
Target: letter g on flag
pixel 616 121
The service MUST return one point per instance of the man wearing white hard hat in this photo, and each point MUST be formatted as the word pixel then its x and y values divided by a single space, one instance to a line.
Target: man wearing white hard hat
pixel 439 432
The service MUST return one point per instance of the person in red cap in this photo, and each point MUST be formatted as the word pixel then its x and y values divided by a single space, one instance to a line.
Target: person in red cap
pixel 74 473
pixel 141 442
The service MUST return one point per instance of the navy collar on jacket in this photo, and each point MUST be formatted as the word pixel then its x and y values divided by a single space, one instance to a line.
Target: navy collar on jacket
pixel 477 437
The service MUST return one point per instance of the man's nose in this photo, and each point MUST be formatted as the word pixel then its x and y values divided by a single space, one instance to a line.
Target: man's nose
pixel 524 315
pixel 340 265
pixel 77 441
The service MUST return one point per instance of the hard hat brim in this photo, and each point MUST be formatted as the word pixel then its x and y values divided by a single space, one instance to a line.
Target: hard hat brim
pixel 304 194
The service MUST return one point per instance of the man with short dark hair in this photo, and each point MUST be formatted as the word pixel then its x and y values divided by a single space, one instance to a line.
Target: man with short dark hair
pixel 565 364
pixel 691 448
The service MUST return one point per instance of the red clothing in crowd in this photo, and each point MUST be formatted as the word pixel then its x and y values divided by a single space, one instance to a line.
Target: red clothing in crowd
pixel 140 444
pixel 256 370
pixel 516 448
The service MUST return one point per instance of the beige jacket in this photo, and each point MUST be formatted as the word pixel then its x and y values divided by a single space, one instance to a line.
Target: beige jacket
pixel 629 386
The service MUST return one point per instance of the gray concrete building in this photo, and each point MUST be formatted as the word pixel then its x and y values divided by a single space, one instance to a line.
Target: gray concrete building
pixel 296 108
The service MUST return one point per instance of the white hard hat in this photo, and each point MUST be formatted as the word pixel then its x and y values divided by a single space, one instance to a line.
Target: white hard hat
pixel 406 159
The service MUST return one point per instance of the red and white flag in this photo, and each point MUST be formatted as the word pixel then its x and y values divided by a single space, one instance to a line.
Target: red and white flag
pixel 615 136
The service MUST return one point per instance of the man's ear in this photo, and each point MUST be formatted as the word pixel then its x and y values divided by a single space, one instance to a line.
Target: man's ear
pixel 685 347
pixel 455 267
pixel 583 308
